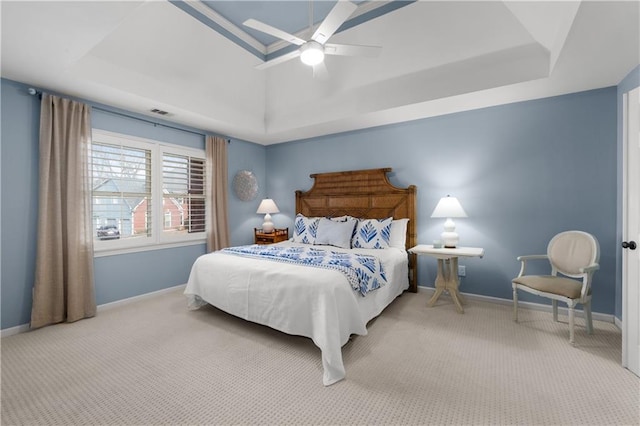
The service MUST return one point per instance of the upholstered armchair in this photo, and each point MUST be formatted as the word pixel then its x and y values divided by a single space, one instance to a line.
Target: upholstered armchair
pixel 574 257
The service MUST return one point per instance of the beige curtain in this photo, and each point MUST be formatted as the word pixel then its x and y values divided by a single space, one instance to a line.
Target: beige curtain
pixel 63 288
pixel 217 217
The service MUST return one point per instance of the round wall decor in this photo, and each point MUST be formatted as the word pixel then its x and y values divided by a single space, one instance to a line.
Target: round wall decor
pixel 245 185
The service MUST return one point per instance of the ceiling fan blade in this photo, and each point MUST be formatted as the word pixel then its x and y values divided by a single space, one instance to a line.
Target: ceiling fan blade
pixel 273 31
pixel 352 50
pixel 340 13
pixel 320 71
pixel 280 59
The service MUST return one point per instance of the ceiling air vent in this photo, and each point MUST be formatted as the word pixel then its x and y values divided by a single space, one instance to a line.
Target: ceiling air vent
pixel 159 111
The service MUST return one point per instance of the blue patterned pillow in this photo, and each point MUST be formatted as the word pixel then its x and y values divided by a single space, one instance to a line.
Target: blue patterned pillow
pixel 305 229
pixel 372 233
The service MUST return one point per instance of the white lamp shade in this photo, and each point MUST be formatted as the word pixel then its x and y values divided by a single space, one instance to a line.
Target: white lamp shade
pixel 266 207
pixel 448 207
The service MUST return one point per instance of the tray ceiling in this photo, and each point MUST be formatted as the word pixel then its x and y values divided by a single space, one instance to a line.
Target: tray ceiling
pixel 195 59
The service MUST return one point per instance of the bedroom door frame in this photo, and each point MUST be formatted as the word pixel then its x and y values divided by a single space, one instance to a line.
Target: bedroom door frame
pixel 631 232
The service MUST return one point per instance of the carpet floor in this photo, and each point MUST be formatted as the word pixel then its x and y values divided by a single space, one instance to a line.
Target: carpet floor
pixel 154 362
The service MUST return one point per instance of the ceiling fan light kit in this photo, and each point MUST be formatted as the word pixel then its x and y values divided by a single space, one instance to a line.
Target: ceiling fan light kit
pixel 312 53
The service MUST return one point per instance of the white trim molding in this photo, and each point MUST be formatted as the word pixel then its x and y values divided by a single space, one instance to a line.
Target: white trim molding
pixel 104 307
pixel 527 305
pixel 534 306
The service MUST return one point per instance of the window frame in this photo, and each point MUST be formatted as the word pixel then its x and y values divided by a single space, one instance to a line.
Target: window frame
pixel 158 238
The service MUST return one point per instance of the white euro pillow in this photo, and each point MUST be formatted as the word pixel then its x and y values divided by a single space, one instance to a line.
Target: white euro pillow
pixel 398 237
pixel 334 233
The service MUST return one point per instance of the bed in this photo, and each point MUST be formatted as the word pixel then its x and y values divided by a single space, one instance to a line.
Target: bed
pixel 318 302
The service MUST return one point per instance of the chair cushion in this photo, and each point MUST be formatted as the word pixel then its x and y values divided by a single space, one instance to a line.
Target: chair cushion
pixel 549 284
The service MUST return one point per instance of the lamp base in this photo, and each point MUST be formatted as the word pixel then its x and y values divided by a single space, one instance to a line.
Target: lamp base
pixel 267 225
pixel 450 239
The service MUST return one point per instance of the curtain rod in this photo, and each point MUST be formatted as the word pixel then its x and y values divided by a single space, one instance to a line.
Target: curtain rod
pixel 39 93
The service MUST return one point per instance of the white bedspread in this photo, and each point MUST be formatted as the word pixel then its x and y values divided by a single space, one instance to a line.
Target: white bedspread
pixel 299 300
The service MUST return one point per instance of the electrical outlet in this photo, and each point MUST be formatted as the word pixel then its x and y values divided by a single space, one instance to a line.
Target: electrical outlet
pixel 462 271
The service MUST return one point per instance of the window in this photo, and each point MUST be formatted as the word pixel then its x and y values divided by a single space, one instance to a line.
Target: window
pixel 121 187
pixel 145 193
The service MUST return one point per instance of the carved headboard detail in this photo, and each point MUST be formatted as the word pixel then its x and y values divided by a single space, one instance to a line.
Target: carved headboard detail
pixel 363 194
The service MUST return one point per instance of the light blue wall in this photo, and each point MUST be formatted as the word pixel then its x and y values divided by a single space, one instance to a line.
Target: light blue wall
pixel 523 172
pixel 630 82
pixel 242 214
pixel 116 277
pixel 19 192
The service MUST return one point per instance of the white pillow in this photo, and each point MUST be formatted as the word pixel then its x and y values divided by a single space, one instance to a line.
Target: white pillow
pixel 335 233
pixel 305 229
pixel 398 235
pixel 372 233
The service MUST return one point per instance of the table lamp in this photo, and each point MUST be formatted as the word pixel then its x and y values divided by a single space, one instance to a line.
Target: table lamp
pixel 449 207
pixel 266 207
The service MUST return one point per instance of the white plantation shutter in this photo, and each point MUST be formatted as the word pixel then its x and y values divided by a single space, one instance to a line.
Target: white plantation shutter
pixel 183 192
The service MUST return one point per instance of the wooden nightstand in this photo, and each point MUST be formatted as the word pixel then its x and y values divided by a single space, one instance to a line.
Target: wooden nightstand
pixel 269 238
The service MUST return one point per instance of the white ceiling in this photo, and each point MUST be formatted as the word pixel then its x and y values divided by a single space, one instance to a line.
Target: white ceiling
pixel 437 58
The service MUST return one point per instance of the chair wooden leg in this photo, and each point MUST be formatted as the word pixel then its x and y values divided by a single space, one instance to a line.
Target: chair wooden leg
pixel 515 304
pixel 571 322
pixel 554 304
pixel 588 320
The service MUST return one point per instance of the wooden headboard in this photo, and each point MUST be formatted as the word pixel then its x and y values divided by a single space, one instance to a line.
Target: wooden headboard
pixel 363 194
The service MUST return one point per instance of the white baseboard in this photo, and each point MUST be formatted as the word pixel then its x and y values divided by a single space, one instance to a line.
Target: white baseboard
pixel 14 330
pixel 538 307
pixel 526 305
pixel 617 322
pixel 106 306
pixel 128 300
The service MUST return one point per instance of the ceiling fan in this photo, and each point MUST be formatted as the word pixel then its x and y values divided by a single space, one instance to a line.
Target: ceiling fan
pixel 312 51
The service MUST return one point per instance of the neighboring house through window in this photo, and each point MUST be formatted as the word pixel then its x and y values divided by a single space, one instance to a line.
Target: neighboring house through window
pixel 151 192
